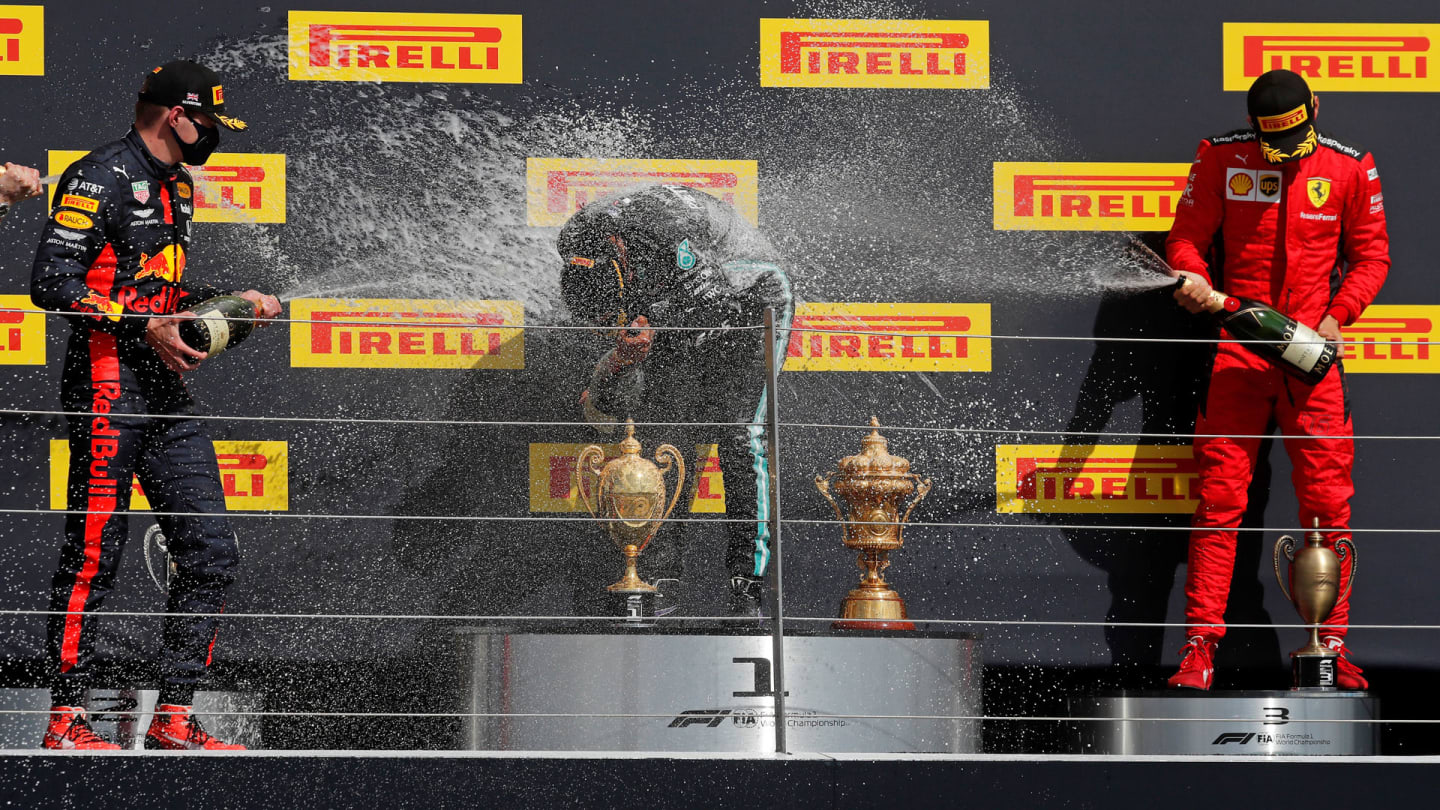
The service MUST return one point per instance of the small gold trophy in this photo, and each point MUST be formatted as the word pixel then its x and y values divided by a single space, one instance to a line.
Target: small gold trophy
pixel 872 484
pixel 630 498
pixel 1314 590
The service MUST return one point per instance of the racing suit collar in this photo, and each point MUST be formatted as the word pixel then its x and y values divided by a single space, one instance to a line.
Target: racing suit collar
pixel 157 168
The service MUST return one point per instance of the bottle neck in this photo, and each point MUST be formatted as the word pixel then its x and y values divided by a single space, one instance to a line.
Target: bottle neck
pixel 1215 302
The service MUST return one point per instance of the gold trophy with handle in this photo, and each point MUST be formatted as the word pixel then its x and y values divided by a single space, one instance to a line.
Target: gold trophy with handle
pixel 629 496
pixel 1314 589
pixel 873 484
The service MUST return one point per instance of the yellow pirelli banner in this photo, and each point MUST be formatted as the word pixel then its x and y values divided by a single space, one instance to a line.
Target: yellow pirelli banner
pixel 406 333
pixel 553 487
pixel 1393 339
pixel 373 46
pixel 931 54
pixel 22 334
pixel 1087 196
pixel 1095 479
pixel 22 40
pixel 230 187
pixel 889 337
pixel 1365 57
pixel 254 475
pixel 558 187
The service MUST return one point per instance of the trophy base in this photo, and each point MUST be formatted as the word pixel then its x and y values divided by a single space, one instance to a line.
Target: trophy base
pixel 873 609
pixel 638 607
pixel 1313 672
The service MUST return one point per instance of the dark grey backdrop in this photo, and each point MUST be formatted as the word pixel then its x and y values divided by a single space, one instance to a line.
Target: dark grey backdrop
pixel 874 195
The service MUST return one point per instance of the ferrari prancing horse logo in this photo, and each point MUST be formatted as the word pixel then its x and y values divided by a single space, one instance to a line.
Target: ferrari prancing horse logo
pixel 1318 190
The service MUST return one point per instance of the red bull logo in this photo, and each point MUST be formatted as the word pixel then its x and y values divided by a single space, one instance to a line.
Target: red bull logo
pixel 558 187
pixel 22 40
pixel 937 54
pixel 405 47
pixel 1370 57
pixel 103 306
pixel 167 265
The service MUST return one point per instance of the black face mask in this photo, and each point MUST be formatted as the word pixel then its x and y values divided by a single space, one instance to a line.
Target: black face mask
pixel 195 154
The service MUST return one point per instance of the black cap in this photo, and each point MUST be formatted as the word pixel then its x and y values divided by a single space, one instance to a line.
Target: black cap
pixel 190 85
pixel 1282 111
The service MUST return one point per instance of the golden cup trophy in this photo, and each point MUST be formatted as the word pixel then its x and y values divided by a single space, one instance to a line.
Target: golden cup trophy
pixel 629 495
pixel 872 484
pixel 1314 589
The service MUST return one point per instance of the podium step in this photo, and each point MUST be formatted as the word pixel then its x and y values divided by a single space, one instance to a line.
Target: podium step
pixel 1239 723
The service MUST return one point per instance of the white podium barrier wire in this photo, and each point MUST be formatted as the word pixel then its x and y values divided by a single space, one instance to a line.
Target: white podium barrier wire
pixel 775 426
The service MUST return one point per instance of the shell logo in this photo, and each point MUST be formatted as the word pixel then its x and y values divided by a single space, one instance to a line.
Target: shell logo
pixel 1240 184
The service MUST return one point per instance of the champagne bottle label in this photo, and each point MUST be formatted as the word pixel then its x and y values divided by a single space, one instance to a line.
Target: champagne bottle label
pixel 1305 348
pixel 218 329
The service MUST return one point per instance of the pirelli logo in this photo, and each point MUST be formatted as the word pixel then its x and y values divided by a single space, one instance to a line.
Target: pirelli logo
pixel 558 187
pixel 365 46
pixel 1393 339
pixel 239 187
pixel 553 487
pixel 22 334
pixel 1095 479
pixel 1087 196
pixel 254 475
pixel 406 333
pixel 22 40
pixel 935 54
pixel 889 337
pixel 230 187
pixel 1370 57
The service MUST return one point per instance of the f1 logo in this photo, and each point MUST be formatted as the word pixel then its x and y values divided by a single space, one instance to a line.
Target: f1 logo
pixel 709 718
pixel 1235 737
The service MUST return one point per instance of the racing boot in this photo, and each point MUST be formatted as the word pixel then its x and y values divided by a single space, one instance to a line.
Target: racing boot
pixel 69 730
pixel 175 728
pixel 747 597
pixel 1347 675
pixel 1197 665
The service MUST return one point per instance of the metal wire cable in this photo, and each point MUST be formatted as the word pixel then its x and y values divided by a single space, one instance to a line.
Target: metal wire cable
pixel 818 522
pixel 807 425
pixel 145 614
pixel 411 323
pixel 794 329
pixel 317 516
pixel 791 717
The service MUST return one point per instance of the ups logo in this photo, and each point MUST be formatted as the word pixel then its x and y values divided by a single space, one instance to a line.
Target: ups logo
pixel 1269 185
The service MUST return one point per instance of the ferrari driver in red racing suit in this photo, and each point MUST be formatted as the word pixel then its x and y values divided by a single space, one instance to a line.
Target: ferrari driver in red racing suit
pixel 1300 224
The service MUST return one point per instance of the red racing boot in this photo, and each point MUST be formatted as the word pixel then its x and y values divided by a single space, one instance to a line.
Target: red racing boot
pixel 1347 675
pixel 70 731
pixel 174 728
pixel 1197 665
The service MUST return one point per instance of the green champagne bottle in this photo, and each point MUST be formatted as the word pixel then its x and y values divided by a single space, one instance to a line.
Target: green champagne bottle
pixel 1294 347
pixel 219 323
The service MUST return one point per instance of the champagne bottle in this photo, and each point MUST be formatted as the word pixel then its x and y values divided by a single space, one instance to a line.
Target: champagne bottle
pixel 215 327
pixel 1294 347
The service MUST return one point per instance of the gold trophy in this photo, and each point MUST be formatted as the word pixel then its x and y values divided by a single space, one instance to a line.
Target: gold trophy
pixel 872 484
pixel 630 498
pixel 1314 590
